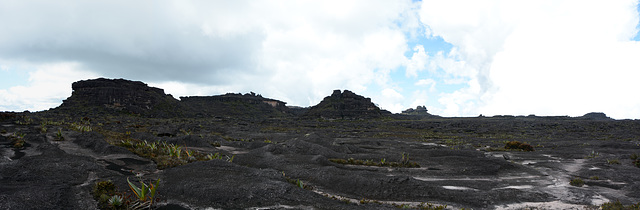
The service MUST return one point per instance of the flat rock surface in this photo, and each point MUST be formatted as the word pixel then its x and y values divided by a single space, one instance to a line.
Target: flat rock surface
pixel 462 162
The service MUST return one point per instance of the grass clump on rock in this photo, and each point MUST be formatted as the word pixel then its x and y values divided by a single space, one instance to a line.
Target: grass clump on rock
pixel 577 182
pixel 405 162
pixel 617 205
pixel 636 159
pixel 167 155
pixel 516 145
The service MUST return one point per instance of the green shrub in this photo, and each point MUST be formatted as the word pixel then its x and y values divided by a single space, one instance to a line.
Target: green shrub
pixel 614 161
pixel 617 205
pixel 577 182
pixel 518 146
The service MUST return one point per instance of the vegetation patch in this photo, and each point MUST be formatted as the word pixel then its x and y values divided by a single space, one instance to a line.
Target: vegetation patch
pixel 593 154
pixel 613 161
pixel 297 182
pixel 17 140
pixel 404 162
pixel 617 205
pixel 516 145
pixel 168 155
pixel 636 160
pixel 109 197
pixel 577 182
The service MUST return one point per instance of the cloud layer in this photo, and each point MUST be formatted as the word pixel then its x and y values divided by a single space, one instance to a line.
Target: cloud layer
pixel 542 57
pixel 296 51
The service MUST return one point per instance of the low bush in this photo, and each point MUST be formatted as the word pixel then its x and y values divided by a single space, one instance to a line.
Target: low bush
pixel 404 162
pixel 617 205
pixel 577 182
pixel 518 146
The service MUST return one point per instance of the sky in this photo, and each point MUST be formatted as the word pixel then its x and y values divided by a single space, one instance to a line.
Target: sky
pixel 458 58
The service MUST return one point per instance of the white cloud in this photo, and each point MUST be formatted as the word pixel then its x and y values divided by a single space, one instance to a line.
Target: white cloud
pixel 48 85
pixel 427 82
pixel 418 61
pixel 296 51
pixel 541 57
pixel 390 100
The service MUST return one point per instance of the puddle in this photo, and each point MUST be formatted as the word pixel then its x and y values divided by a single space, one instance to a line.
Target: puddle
pixel 540 205
pixel 518 187
pixel 232 150
pixel 458 188
pixel 280 206
pixel 433 144
pixel 432 179
pixel 357 201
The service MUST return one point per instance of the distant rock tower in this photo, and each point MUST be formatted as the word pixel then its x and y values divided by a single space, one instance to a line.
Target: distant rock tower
pixel 345 105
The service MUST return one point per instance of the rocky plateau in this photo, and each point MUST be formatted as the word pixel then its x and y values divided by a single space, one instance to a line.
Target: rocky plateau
pixel 244 151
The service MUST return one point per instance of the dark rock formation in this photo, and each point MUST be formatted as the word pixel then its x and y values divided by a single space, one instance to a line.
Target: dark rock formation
pixel 236 105
pixel 346 105
pixel 596 116
pixel 420 110
pixel 120 96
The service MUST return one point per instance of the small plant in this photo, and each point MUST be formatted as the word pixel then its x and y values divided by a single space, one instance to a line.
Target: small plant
pixel 577 182
pixel 300 184
pixel 102 192
pixel 633 156
pixel 516 145
pixel 18 140
pixel 43 127
pixel 594 178
pixel 593 154
pixel 614 161
pixel 268 141
pixel 59 136
pixel 297 182
pixel 116 201
pixel 186 132
pixel 214 156
pixel 215 144
pixel 145 193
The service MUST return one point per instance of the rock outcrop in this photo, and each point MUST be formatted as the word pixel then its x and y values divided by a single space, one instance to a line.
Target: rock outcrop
pixel 234 104
pixel 120 96
pixel 420 110
pixel 345 105
pixel 595 116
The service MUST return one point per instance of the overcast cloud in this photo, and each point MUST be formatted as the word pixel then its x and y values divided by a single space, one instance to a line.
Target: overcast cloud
pixel 459 58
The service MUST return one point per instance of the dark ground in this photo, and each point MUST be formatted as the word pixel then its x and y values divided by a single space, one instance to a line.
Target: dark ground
pixel 463 163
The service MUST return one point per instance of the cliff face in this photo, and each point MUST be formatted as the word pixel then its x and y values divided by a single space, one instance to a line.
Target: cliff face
pixel 120 96
pixel 250 105
pixel 346 105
